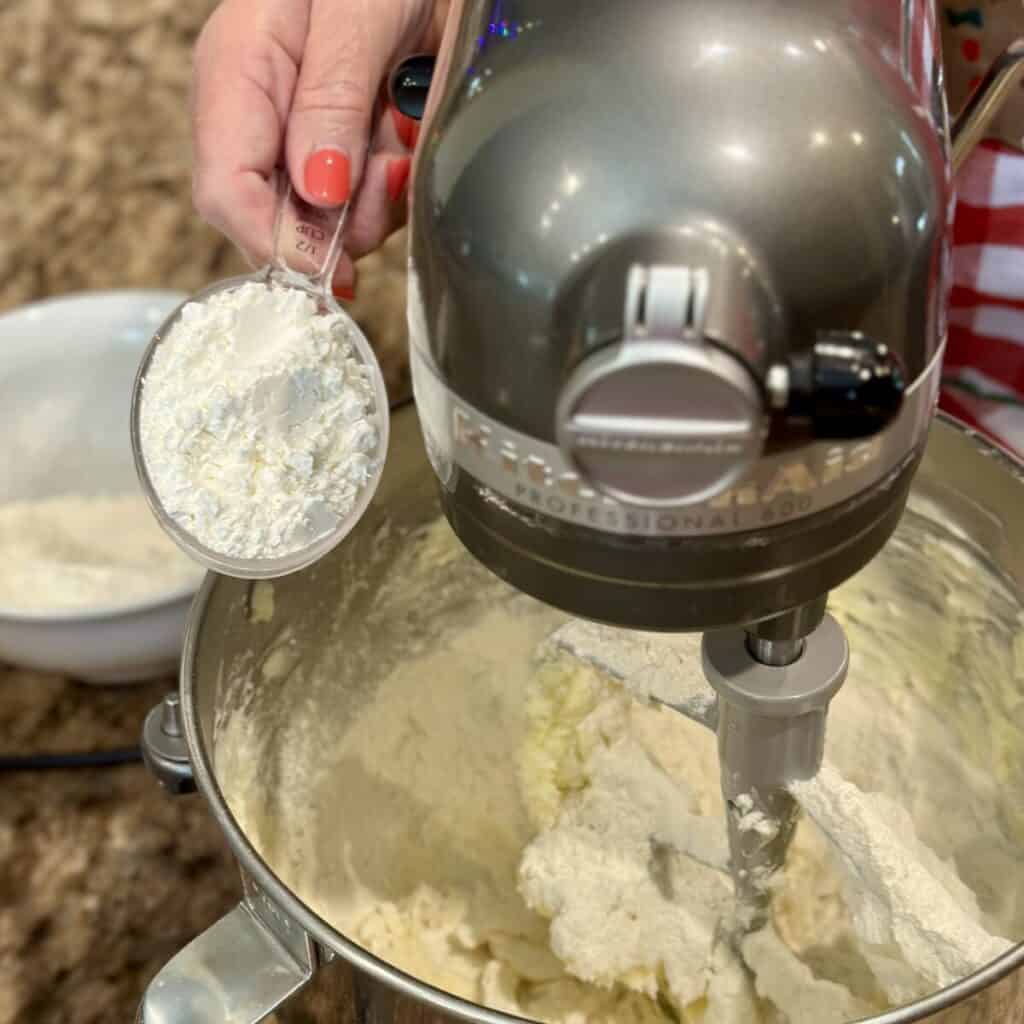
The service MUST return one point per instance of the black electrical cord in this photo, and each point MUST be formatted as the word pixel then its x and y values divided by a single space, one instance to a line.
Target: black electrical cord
pixel 69 762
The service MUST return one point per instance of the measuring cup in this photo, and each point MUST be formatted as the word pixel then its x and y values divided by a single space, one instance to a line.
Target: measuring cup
pixel 307 247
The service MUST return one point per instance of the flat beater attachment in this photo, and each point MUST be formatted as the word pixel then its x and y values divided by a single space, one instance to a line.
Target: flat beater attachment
pixel 771 732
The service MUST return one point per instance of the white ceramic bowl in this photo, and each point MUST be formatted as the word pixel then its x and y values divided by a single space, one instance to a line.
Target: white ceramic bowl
pixel 66 372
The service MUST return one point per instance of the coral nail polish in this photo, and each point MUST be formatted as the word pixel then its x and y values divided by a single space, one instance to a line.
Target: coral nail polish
pixel 398 177
pixel 405 126
pixel 328 176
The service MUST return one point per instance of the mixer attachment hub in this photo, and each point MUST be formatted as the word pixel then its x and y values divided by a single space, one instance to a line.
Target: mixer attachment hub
pixel 665 417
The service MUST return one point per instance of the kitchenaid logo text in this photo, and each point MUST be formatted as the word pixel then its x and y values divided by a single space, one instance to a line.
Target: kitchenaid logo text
pixel 787 490
pixel 644 446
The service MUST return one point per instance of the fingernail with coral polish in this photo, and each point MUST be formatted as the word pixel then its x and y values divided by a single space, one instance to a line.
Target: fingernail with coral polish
pixel 398 177
pixel 328 176
pixel 345 291
pixel 405 126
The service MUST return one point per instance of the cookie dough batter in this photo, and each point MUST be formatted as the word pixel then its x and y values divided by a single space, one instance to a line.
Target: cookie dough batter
pixel 429 803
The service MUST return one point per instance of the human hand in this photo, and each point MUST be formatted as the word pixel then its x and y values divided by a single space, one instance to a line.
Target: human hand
pixel 298 84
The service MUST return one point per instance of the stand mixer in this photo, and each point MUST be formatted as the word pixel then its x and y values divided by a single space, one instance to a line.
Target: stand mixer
pixel 677 307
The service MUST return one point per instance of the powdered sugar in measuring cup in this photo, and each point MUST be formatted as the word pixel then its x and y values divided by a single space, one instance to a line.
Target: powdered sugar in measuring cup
pixel 259 415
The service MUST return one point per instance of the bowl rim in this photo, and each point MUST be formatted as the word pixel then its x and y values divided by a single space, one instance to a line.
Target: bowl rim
pixel 90 295
pixel 103 613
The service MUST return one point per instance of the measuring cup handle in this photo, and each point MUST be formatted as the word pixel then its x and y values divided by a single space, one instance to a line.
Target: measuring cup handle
pixel 307 238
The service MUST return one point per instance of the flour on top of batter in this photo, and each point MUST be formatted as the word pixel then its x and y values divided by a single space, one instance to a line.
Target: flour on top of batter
pixel 886 922
pixel 630 864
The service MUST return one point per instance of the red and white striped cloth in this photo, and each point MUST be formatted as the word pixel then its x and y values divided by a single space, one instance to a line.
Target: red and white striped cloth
pixel 983 379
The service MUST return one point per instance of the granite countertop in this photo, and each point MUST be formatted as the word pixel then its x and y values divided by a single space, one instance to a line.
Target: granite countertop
pixel 96 160
pixel 103 877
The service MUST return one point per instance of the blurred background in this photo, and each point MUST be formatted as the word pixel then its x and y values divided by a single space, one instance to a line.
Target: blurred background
pixel 95 160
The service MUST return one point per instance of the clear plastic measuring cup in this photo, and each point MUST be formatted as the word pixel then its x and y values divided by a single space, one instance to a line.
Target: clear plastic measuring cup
pixel 307 247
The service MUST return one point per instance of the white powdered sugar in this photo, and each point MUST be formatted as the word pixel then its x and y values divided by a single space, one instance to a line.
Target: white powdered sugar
pixel 257 423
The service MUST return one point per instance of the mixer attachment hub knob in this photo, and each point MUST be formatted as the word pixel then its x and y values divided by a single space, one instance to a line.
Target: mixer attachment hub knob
pixel 665 417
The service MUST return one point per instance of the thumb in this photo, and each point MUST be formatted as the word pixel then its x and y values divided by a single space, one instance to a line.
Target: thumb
pixel 349 47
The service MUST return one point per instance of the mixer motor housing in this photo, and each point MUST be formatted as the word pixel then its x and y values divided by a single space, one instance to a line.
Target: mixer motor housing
pixel 676 360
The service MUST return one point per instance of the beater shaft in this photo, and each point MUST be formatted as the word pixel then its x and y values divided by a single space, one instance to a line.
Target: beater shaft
pixel 771 731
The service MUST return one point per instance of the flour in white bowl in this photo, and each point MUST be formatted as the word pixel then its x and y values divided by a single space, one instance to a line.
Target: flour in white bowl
pixel 257 422
pixel 75 554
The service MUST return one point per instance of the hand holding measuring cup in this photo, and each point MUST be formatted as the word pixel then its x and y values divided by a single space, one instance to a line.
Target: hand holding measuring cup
pixel 298 83
pixel 259 416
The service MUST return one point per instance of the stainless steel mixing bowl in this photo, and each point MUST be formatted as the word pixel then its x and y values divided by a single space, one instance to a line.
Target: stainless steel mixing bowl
pixel 275 952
